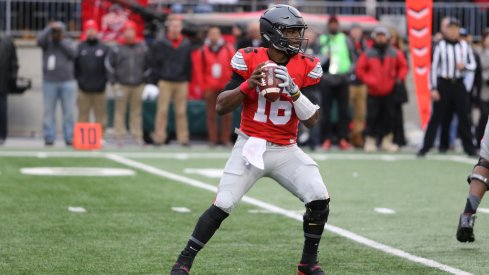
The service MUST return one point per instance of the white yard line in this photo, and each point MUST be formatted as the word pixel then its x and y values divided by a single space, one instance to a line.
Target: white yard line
pixel 273 208
pixel 225 155
pixel 483 210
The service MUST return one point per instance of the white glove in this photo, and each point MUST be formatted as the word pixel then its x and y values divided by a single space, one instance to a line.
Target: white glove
pixel 150 92
pixel 288 84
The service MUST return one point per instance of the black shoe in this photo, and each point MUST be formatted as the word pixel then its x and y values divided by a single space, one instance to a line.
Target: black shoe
pixel 465 230
pixel 421 153
pixel 49 143
pixel 310 269
pixel 179 269
pixel 183 264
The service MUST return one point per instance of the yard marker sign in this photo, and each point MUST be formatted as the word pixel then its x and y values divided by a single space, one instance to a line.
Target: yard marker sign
pixel 419 14
pixel 87 136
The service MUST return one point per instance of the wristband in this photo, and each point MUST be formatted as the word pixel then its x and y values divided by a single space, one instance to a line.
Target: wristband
pixel 245 88
pixel 296 93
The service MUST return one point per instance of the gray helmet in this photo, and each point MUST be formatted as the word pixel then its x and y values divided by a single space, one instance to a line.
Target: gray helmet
pixel 275 21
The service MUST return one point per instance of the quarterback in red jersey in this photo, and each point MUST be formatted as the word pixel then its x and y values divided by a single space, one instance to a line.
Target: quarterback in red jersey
pixel 266 145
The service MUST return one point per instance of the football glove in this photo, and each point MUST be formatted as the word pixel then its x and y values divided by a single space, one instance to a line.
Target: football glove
pixel 288 84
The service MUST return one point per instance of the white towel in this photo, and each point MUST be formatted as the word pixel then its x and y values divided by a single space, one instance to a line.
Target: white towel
pixel 253 152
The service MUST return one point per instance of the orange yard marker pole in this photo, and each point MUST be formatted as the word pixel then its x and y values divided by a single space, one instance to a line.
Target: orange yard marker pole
pixel 87 136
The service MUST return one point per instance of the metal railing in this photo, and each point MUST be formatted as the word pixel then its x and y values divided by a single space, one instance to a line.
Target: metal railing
pixel 24 18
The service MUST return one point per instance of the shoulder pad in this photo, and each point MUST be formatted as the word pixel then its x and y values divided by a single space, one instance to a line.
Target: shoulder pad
pixel 308 57
pixel 250 50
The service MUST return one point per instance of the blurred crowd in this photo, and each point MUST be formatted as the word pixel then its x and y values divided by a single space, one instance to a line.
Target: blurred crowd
pixel 361 93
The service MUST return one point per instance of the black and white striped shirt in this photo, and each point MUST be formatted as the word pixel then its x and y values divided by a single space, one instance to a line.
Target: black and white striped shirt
pixel 446 55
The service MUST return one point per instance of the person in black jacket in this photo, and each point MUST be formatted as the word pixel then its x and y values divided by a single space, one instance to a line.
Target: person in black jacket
pixel 91 76
pixel 171 70
pixel 8 76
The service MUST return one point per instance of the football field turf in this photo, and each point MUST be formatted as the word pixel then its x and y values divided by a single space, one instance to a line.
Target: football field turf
pixel 135 224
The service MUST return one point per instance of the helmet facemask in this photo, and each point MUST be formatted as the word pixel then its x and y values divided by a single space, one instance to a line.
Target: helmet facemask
pixel 280 40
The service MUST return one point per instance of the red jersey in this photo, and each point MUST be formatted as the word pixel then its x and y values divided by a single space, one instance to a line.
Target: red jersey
pixel 276 121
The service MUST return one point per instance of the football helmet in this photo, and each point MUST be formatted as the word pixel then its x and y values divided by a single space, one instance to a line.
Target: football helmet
pixel 274 23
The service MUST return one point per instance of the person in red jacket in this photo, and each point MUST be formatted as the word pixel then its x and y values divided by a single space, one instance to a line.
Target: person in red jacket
pixel 380 67
pixel 214 72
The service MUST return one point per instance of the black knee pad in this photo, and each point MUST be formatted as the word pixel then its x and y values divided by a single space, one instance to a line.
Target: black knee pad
pixel 317 212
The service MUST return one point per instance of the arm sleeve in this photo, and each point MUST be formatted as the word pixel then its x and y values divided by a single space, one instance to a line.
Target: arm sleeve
pixel 434 67
pixel 152 63
pixel 235 81
pixel 470 65
pixel 147 66
pixel 402 67
pixel 352 54
pixel 77 64
pixel 14 64
pixel 69 48
pixel 314 75
pixel 109 65
pixel 238 64
pixel 42 38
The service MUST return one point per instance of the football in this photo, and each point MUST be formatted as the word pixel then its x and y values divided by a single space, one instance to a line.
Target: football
pixel 269 83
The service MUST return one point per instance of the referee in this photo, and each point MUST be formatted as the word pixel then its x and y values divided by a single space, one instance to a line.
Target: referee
pixel 451 59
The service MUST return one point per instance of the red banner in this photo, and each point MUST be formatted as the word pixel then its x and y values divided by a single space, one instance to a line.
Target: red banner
pixel 111 17
pixel 419 14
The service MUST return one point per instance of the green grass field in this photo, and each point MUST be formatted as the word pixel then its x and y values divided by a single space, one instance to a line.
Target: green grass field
pixel 130 228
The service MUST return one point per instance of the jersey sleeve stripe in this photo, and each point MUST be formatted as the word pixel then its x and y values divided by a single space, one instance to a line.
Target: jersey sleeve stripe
pixel 238 63
pixel 317 72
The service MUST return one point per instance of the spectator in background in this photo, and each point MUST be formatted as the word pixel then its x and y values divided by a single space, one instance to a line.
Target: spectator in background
pixel 401 95
pixel 113 23
pixel 59 82
pixel 215 73
pixel 450 59
pixel 238 34
pixel 91 75
pixel 483 96
pixel 253 38
pixel 358 90
pixel 128 71
pixel 171 70
pixel 380 68
pixel 8 77
pixel 337 55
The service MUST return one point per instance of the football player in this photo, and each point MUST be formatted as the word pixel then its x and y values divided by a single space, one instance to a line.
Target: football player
pixel 479 184
pixel 266 144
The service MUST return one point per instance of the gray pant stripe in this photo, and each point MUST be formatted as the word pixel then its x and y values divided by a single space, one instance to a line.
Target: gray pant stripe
pixel 197 241
pixel 312 236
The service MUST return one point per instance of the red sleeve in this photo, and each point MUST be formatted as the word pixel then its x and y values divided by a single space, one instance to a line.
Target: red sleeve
pixel 314 72
pixel 402 66
pixel 239 64
pixel 362 70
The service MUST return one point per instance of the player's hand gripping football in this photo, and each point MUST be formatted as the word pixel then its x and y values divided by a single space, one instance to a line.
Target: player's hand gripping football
pixel 288 83
pixel 256 77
